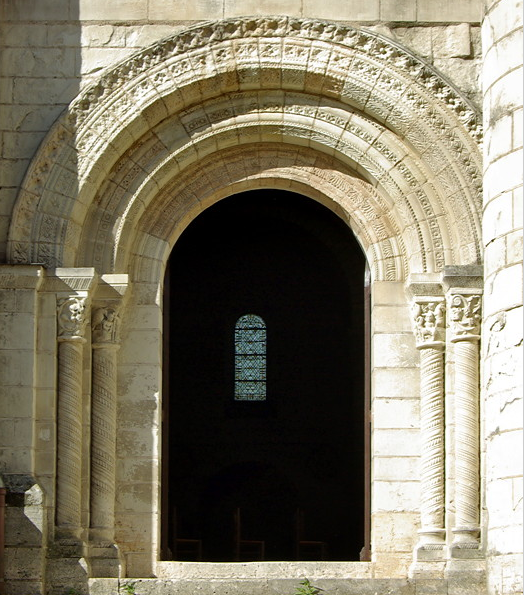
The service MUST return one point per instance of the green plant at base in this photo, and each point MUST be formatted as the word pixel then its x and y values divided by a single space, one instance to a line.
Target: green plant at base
pixel 307 589
pixel 128 588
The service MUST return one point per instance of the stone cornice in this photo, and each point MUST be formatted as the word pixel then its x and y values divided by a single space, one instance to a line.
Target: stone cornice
pixel 21 276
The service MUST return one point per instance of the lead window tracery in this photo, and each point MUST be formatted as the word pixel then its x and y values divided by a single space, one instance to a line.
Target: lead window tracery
pixel 250 358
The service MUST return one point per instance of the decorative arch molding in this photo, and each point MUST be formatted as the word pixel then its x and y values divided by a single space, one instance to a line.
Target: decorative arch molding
pixel 394 130
pixel 268 165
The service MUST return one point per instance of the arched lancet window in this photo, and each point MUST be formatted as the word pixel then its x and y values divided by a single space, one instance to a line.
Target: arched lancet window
pixel 250 358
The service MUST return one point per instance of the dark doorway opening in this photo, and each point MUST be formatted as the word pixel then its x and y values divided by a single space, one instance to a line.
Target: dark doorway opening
pixel 291 463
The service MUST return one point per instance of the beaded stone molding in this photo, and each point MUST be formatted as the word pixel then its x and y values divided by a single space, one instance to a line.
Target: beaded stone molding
pixel 384 113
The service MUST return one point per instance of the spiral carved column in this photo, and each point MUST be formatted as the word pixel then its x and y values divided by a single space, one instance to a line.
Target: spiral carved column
pixel 429 325
pixel 103 423
pixel 465 327
pixel 71 326
pixel 104 558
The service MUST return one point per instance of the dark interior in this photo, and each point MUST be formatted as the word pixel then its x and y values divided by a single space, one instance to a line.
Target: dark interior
pixel 294 263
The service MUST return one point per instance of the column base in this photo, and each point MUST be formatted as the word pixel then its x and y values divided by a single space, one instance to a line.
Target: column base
pixel 430 552
pixel 103 557
pixel 466 543
pixel 432 544
pixel 66 568
pixel 104 562
pixel 67 544
pixel 469 575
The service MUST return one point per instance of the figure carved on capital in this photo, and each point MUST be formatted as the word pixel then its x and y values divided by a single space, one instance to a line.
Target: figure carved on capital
pixel 71 317
pixel 464 314
pixel 105 325
pixel 429 322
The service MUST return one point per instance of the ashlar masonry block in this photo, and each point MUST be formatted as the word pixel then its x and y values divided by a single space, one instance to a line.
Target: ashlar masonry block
pixel 396 496
pixel 124 10
pixel 396 382
pixel 453 41
pixel 394 351
pixel 360 10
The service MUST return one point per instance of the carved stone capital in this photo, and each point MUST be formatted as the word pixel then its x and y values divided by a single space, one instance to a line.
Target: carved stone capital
pixel 464 316
pixel 105 324
pixel 429 323
pixel 108 301
pixel 72 318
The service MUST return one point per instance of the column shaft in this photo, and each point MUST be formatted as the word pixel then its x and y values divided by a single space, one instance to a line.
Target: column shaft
pixel 432 459
pixel 465 316
pixel 103 440
pixel 429 322
pixel 467 442
pixel 69 435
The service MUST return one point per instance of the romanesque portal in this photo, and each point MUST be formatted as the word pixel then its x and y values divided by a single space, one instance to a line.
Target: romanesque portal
pixel 224 123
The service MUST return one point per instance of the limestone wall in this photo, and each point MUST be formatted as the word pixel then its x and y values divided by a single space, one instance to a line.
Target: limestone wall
pixel 396 440
pixel 502 339
pixel 51 49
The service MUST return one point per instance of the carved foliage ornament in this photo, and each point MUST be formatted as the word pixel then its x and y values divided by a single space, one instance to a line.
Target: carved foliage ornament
pixel 207 34
pixel 72 318
pixel 465 316
pixel 429 322
pixel 122 92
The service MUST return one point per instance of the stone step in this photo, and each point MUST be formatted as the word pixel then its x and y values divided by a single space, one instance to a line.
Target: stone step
pixel 273 586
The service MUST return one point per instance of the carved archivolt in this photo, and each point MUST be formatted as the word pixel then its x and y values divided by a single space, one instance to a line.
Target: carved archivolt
pixel 370 106
pixel 278 166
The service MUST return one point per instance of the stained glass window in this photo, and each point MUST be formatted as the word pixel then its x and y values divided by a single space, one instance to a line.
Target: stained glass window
pixel 250 358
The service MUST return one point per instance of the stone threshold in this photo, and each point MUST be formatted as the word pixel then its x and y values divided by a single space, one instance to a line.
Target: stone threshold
pixel 264 570
pixel 258 586
pixel 283 578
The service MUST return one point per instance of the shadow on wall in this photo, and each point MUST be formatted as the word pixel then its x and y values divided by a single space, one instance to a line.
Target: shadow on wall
pixel 24 530
pixel 40 75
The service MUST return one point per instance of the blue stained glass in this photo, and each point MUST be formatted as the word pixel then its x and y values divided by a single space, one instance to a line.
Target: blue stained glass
pixel 250 358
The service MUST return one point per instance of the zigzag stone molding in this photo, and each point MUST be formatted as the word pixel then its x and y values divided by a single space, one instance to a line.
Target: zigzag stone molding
pixel 359 70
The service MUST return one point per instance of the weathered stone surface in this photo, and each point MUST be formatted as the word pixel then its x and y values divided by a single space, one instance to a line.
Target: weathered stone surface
pixel 502 35
pixel 352 119
pixel 258 587
pixel 452 41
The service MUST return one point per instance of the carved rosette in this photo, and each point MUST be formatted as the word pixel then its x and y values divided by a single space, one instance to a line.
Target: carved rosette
pixel 105 323
pixel 465 316
pixel 71 315
pixel 429 328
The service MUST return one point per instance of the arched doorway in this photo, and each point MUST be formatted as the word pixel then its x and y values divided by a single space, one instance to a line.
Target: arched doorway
pixel 294 454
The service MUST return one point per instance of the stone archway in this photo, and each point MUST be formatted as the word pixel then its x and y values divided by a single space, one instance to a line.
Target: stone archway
pixel 298 448
pixel 342 115
pixel 385 116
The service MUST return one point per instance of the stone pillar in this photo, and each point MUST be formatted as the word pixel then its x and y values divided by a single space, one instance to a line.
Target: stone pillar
pixel 429 324
pixel 464 298
pixel 502 331
pixel 465 313
pixel 103 421
pixel 67 566
pixel 72 311
pixel 429 331
pixel 105 322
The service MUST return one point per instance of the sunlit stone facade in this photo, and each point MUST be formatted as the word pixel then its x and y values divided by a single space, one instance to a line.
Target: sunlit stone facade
pixel 120 122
